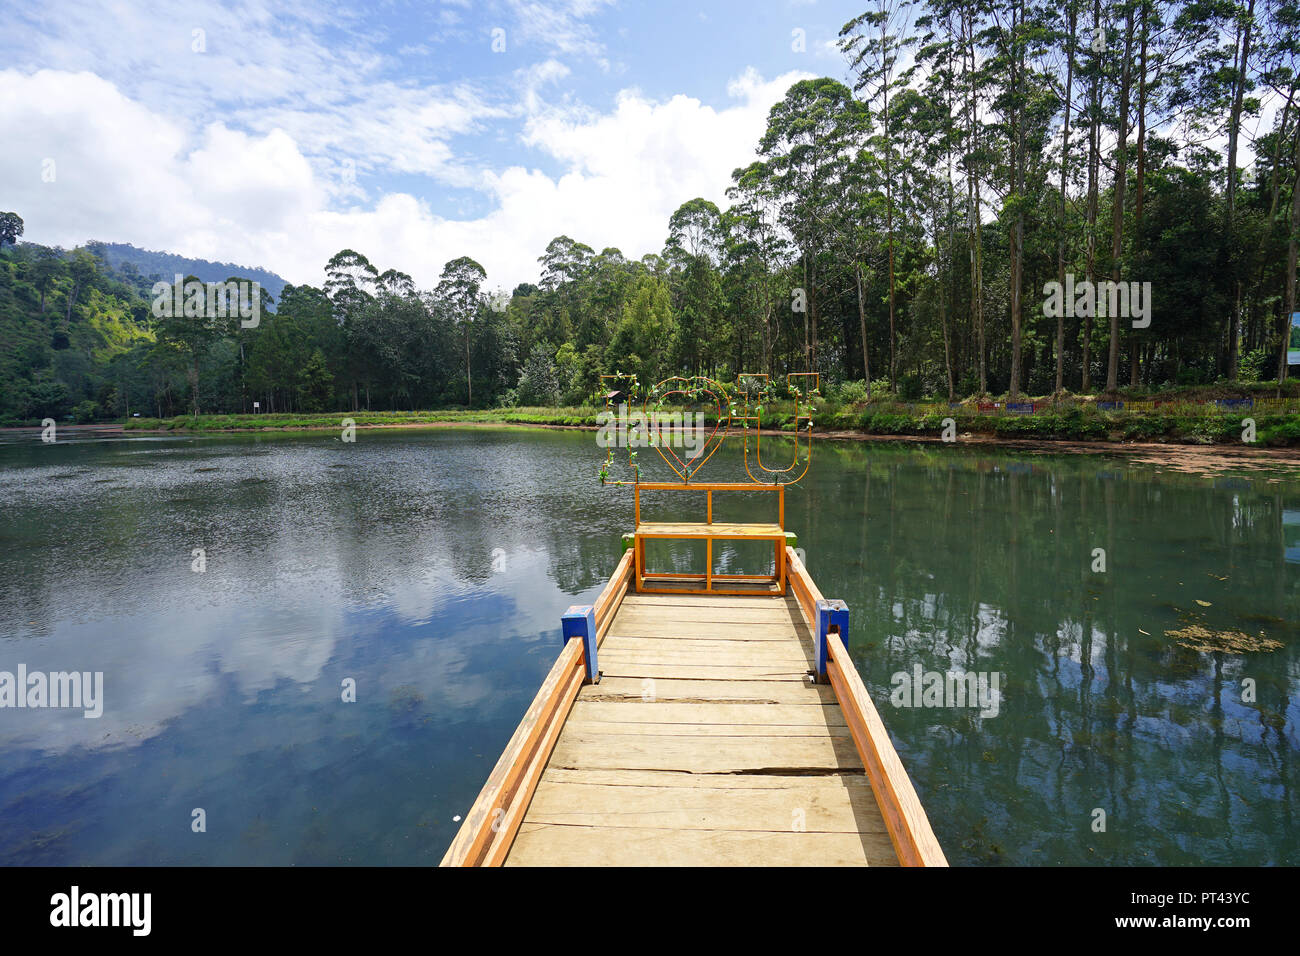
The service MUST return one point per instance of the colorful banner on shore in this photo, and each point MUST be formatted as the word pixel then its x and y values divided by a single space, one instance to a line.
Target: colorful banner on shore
pixel 1293 349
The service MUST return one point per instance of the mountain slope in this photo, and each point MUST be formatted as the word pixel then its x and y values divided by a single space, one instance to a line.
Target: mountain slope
pixel 165 265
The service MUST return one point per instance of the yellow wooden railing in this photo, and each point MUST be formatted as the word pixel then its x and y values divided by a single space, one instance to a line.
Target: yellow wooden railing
pixel 905 819
pixel 490 826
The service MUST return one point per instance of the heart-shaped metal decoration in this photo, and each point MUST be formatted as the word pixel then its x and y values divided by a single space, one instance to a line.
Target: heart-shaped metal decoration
pixel 687 423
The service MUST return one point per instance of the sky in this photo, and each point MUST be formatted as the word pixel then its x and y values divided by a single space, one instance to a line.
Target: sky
pixel 275 133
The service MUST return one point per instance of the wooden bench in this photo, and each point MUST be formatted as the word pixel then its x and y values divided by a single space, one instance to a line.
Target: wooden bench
pixel 710 531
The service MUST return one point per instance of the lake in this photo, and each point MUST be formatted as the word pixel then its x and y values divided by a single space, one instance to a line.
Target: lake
pixel 231 589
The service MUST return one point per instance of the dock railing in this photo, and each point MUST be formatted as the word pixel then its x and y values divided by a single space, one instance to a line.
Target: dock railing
pixel 490 825
pixel 909 828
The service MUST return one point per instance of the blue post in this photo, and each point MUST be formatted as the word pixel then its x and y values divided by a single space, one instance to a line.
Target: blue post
pixel 831 616
pixel 580 621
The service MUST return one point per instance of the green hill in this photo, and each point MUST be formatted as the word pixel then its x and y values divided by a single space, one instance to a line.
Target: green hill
pixel 77 338
pixel 152 266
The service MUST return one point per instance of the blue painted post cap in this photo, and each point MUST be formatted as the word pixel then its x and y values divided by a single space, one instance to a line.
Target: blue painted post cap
pixel 831 616
pixel 580 621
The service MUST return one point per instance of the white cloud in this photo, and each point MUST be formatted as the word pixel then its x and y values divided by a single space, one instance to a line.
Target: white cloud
pixel 534 78
pixel 279 144
pixel 558 27
pixel 128 173
pixel 260 65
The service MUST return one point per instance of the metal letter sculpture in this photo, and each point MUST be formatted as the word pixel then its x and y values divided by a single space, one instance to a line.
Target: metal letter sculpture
pixel 656 427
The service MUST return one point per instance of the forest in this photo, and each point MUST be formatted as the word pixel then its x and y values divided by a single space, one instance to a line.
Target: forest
pixel 898 233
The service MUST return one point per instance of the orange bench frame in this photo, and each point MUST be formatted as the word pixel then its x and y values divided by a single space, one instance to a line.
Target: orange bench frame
pixel 775 534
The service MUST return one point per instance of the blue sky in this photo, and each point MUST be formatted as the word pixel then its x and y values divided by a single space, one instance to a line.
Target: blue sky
pixel 276 133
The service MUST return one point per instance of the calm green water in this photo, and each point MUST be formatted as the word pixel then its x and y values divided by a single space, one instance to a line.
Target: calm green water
pixel 431 568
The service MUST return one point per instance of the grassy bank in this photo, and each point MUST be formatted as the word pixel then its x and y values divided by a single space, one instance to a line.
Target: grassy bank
pixel 1184 422
pixel 1276 430
pixel 305 420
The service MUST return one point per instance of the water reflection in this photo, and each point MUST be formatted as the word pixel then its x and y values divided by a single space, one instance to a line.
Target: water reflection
pixel 431 568
pixel 323 561
pixel 973 563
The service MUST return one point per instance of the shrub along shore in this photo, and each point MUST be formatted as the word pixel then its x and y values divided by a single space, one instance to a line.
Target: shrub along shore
pixel 1180 419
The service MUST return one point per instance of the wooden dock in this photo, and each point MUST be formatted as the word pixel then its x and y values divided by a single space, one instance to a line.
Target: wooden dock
pixel 700 729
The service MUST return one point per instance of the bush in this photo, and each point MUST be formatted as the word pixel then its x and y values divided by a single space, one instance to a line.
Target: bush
pixel 1250 367
pixel 1142 429
pixel 885 423
pixel 1282 431
pixel 834 419
pixel 85 412
pixel 910 388
pixel 882 389
pixel 852 393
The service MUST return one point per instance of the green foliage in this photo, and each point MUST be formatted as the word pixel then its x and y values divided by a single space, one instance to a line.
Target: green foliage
pixel 538 384
pixel 904 224
pixel 1279 431
pixel 11 227
pixel 69 333
pixel 575 417
pixel 1149 427
pixel 315 382
pixel 851 393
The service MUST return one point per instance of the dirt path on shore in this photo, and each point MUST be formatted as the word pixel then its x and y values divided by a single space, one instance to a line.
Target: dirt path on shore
pixel 1192 459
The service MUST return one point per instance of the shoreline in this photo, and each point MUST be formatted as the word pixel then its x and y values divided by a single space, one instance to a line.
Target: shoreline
pixel 1045 445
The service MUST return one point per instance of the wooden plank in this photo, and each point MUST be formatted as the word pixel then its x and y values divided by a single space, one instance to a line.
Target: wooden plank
pixel 706 486
pixel 546 844
pixel 711 713
pixel 731 580
pixel 780 755
pixel 682 729
pixel 718 529
pixel 752 613
pixel 816 809
pixel 706 651
pixel 710 601
pixel 739 632
pixel 550 706
pixel 775 643
pixel 734 638
pixel 696 781
pixel 768 624
pixel 730 672
pixel 758 692
pixel 781 658
pixel 909 827
pixel 651 585
pixel 696 584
